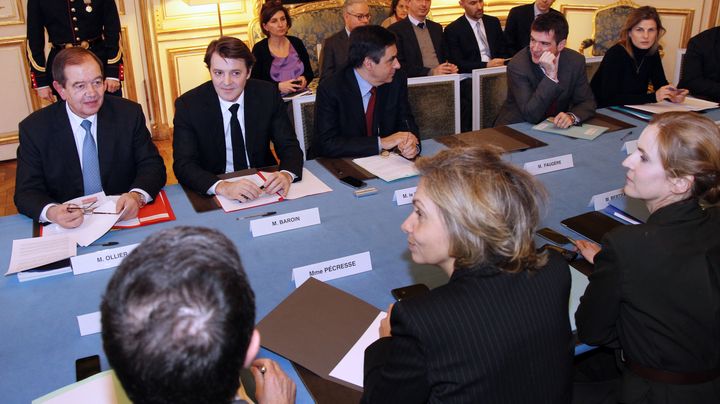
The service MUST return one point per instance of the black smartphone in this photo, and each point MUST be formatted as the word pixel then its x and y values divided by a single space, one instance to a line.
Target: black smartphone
pixel 353 182
pixel 550 234
pixel 408 292
pixel 86 367
pixel 569 255
pixel 296 82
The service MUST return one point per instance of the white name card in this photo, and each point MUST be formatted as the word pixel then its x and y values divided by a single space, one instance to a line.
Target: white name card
pixel 333 269
pixel 549 165
pixel 102 259
pixel 288 221
pixel 89 323
pixel 404 196
pixel 630 146
pixel 601 201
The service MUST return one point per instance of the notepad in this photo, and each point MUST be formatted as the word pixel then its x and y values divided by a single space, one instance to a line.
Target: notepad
pixel 585 131
pixel 231 205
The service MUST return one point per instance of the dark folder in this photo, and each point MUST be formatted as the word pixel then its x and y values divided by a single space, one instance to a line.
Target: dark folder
pixel 592 225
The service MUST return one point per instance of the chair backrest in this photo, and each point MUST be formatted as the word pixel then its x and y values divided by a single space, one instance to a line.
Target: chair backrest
pixel 304 120
pixel 592 64
pixel 315 21
pixel 607 23
pixel 679 60
pixel 435 103
pixel 489 91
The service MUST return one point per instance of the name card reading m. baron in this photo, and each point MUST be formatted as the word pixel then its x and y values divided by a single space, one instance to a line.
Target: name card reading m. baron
pixel 102 259
pixel 549 165
pixel 288 221
pixel 333 269
pixel 404 196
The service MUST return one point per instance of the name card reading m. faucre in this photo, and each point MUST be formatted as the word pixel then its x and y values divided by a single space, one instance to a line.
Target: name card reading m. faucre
pixel 333 269
pixel 287 221
pixel 549 165
pixel 102 259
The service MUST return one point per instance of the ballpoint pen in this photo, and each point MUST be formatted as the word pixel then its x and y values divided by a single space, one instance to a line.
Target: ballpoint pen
pixel 258 215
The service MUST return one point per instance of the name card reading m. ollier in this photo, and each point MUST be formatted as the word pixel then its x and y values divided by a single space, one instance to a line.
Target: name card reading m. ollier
pixel 288 221
pixel 601 201
pixel 102 259
pixel 404 196
pixel 333 269
pixel 549 165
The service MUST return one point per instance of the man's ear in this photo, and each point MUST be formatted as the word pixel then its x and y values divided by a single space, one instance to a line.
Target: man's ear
pixel 561 45
pixel 253 349
pixel 682 185
pixel 60 89
pixel 249 72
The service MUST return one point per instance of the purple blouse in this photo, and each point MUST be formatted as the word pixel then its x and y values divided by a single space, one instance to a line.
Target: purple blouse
pixel 286 68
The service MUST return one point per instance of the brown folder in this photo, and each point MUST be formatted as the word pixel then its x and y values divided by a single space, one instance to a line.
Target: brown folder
pixel 316 326
pixel 343 167
pixel 503 137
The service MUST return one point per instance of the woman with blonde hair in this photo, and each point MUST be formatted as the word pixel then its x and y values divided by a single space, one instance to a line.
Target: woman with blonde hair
pixel 498 331
pixel 655 290
pixel 631 65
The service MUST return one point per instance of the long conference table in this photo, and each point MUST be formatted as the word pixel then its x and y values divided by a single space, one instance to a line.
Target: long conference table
pixel 39 335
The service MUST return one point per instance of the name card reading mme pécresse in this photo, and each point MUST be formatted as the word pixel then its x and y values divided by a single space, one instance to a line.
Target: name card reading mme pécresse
pixel 287 221
pixel 549 165
pixel 333 269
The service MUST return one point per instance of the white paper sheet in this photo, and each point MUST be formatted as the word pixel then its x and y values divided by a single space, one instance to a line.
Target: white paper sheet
pixel 93 226
pixel 231 205
pixel 351 366
pixel 390 168
pixel 34 252
pixel 89 323
pixel 309 185
pixel 577 288
pixel 102 388
pixel 690 104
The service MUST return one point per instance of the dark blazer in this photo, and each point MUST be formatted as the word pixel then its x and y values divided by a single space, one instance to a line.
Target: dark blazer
pixel 462 47
pixel 655 291
pixel 409 54
pixel 531 92
pixel 264 59
pixel 48 165
pixel 334 54
pixel 517 26
pixel 484 337
pixel 701 66
pixel 340 129
pixel 199 136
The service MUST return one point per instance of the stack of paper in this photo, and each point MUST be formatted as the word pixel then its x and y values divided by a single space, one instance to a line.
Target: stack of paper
pixel 585 131
pixel 231 205
pixel 690 104
pixel 390 168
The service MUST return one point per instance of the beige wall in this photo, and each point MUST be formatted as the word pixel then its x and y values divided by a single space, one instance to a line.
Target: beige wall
pixel 164 42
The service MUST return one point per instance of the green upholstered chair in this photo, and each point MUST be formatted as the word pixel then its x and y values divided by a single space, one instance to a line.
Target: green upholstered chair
pixel 488 95
pixel 304 120
pixel 315 21
pixel 607 22
pixel 435 103
pixel 592 64
pixel 679 62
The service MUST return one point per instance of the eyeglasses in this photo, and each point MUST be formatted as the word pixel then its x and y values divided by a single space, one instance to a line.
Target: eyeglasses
pixel 360 17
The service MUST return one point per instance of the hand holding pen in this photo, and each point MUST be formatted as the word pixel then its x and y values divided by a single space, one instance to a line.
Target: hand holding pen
pixel 272 385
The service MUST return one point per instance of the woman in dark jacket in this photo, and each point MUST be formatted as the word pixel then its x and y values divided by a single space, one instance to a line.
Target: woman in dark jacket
pixel 655 290
pixel 280 58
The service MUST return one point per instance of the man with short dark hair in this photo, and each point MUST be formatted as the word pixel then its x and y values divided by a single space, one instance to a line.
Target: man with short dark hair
pixel 364 109
pixel 519 20
pixel 421 47
pixel 701 65
pixel 178 321
pixel 334 53
pixel 227 124
pixel 83 145
pixel 547 80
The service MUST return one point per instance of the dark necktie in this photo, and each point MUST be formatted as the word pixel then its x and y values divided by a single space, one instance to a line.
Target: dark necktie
pixel 238 143
pixel 91 165
pixel 421 25
pixel 370 112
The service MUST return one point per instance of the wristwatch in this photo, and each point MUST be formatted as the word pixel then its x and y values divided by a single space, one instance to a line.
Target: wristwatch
pixel 141 198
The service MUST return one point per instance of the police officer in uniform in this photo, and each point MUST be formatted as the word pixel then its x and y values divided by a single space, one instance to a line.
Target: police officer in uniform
pixel 91 24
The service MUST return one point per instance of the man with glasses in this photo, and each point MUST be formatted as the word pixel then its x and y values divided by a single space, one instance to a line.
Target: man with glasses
pixel 334 54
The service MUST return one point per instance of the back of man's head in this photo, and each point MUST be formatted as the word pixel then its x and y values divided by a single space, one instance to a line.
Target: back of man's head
pixel 177 318
pixel 552 22
pixel 368 41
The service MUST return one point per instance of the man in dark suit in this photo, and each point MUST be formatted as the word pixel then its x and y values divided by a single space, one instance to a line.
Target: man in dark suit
pixel 701 66
pixel 84 145
pixel 363 109
pixel 420 44
pixel 547 80
pixel 227 124
pixel 475 40
pixel 93 25
pixel 334 53
pixel 520 18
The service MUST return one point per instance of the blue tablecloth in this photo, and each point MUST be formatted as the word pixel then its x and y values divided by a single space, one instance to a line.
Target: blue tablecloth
pixel 39 336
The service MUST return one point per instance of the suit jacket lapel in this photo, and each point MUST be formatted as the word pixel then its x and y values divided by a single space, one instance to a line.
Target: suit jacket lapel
pixel 106 138
pixel 251 110
pixel 66 146
pixel 490 35
pixel 214 123
pixel 355 98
